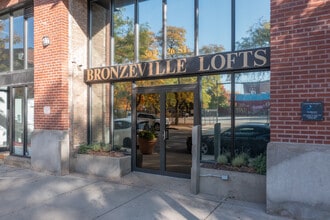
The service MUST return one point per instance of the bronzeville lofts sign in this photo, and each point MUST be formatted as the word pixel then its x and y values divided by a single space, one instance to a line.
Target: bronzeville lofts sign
pixel 220 62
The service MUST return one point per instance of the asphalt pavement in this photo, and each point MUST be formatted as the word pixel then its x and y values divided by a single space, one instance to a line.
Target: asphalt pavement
pixel 26 194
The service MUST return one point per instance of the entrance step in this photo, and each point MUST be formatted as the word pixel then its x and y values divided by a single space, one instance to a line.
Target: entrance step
pixel 3 155
pixel 17 161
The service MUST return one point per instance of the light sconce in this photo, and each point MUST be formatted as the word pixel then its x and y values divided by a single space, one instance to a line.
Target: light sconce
pixel 45 41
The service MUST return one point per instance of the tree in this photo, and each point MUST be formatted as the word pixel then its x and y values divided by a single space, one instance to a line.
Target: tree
pixel 211 48
pixel 176 42
pixel 258 36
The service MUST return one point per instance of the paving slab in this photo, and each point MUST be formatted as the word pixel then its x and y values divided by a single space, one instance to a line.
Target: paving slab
pixel 29 195
pixel 163 205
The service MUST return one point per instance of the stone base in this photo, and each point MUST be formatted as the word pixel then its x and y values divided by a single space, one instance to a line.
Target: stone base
pixel 298 180
pixel 230 184
pixel 50 151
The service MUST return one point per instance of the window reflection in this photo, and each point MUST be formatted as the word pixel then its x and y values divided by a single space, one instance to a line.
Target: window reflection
pixel 150 19
pixel 122 125
pixel 214 26
pixel 216 111
pixel 124 31
pixel 30 42
pixel 252 29
pixel 18 38
pixel 4 43
pixel 251 107
pixel 180 28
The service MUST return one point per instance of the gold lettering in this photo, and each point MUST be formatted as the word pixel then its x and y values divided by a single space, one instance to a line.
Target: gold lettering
pixel 141 70
pixel 157 70
pixel 222 62
pixel 201 65
pixel 90 75
pixel 150 69
pixel 105 73
pixel 122 71
pixel 181 65
pixel 114 72
pixel 132 70
pixel 261 57
pixel 97 73
pixel 245 58
pixel 168 67
pixel 231 60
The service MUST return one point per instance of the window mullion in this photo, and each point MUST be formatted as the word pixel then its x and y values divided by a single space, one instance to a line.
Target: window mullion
pixel 11 43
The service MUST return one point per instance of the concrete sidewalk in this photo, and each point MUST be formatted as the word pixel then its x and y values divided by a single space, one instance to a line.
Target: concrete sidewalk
pixel 25 194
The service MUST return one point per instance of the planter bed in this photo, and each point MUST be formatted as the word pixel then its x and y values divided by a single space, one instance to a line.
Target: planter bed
pixel 104 166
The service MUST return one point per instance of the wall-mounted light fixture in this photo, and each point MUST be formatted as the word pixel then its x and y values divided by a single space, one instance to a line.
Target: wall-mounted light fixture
pixel 45 41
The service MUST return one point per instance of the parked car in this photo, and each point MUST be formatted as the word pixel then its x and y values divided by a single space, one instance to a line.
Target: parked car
pixel 122 131
pixel 153 120
pixel 251 138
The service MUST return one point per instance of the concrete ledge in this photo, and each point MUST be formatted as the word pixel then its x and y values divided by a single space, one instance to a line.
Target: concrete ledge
pixel 298 180
pixel 104 166
pixel 241 186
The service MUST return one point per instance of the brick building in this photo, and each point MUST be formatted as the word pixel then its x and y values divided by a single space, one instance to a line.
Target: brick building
pixel 80 71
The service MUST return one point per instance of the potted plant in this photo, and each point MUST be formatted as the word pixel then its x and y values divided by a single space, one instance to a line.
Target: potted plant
pixel 147 140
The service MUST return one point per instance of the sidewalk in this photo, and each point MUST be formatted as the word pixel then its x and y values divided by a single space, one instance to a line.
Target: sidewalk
pixel 25 194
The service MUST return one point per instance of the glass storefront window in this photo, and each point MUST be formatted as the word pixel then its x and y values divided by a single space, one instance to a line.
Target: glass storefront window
pixel 3 118
pixel 23 120
pixel 30 42
pixel 123 19
pixel 214 26
pixel 18 140
pixel 30 117
pixel 180 28
pixel 252 29
pixel 216 111
pixel 17 49
pixel 4 43
pixel 150 19
pixel 122 124
pixel 18 40
pixel 251 133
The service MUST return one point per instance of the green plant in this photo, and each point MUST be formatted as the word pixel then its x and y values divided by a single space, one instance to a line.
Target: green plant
pixel 94 147
pixel 259 164
pixel 240 160
pixel 222 159
pixel 147 134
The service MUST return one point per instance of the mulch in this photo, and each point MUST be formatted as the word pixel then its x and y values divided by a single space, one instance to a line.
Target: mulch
pixel 218 166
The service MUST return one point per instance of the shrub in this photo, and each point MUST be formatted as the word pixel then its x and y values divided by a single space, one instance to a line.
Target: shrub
pixel 259 164
pixel 222 159
pixel 95 147
pixel 240 160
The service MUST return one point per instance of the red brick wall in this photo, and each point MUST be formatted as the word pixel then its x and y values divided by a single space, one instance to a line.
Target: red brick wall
pixel 300 69
pixel 51 64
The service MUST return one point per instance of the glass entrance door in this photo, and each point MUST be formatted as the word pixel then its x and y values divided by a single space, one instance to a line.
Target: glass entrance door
pixel 164 117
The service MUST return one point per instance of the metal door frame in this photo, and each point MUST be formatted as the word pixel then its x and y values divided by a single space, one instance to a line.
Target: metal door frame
pixel 162 90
